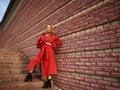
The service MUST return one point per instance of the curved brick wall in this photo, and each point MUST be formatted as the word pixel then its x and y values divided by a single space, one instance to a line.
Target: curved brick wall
pixel 89 58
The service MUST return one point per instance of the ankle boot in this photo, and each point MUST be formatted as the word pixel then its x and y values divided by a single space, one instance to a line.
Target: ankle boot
pixel 28 77
pixel 47 84
pixel 44 84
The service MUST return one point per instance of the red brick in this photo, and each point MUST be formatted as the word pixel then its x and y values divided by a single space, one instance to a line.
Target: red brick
pixel 90 80
pixel 90 88
pixel 82 86
pixel 95 43
pixel 115 84
pixel 94 85
pixel 82 60
pixel 104 55
pixel 110 41
pixel 71 70
pixel 80 71
pixel 115 45
pixel 80 78
pixel 103 73
pixel 96 68
pixel 115 64
pixel 110 59
pixel 115 74
pixel 117 35
pixel 111 88
pixel 115 54
pixel 79 63
pixel 90 48
pixel 80 49
pixel 90 64
pixel 83 67
pixel 103 46
pixel 111 69
pixel 105 83
pixel 103 64
pixel 95 59
pixel 84 83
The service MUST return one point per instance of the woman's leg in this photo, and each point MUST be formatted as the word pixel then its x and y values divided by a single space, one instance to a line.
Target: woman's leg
pixel 49 77
pixel 34 61
pixel 30 68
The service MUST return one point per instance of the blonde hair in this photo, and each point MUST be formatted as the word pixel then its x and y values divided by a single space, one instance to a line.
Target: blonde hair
pixel 51 31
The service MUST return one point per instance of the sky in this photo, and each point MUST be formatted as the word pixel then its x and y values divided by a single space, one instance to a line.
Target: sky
pixel 3 6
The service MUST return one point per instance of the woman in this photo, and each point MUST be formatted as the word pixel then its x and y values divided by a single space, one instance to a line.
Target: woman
pixel 46 43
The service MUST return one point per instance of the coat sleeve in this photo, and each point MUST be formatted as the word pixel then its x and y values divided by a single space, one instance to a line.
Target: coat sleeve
pixel 56 42
pixel 39 43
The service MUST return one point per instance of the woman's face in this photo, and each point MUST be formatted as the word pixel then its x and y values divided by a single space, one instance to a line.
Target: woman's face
pixel 48 28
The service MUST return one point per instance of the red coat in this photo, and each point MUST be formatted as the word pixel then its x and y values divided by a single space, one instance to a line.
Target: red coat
pixel 46 55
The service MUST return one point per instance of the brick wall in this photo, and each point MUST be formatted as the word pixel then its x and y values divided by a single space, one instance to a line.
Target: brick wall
pixel 89 58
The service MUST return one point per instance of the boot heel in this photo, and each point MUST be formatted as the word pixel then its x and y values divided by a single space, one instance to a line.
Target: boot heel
pixel 31 79
pixel 28 77
pixel 47 84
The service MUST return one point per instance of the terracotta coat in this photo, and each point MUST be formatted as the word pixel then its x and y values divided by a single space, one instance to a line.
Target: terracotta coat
pixel 46 55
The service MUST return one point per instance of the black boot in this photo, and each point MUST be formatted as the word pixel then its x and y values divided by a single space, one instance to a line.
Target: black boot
pixel 28 77
pixel 44 84
pixel 47 84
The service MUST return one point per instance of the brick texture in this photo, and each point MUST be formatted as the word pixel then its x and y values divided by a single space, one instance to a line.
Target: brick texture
pixel 89 58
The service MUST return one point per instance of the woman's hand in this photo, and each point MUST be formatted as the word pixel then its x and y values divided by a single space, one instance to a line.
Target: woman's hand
pixel 48 43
